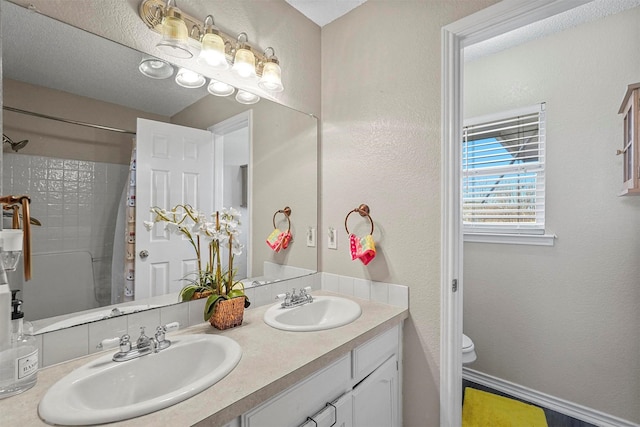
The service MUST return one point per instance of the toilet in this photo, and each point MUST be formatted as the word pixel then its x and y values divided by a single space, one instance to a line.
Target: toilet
pixel 468 350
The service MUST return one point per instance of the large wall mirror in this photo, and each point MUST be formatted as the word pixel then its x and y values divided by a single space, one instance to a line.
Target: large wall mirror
pixel 79 178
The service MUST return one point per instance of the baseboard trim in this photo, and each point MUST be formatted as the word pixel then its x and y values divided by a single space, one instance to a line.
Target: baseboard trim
pixel 562 406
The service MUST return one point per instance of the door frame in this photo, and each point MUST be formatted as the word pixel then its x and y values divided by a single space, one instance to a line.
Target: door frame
pixel 497 19
pixel 219 130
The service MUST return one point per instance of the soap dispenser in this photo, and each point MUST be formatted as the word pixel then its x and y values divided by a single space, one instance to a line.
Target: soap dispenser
pixel 22 357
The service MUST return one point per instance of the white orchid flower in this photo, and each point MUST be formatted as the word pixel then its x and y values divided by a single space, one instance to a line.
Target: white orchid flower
pixel 236 248
pixel 149 225
pixel 233 213
pixel 171 227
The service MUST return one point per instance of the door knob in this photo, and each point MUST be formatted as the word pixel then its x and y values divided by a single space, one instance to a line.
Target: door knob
pixel 144 253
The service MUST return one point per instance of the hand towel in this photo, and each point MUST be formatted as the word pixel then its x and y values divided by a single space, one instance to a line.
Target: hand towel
pixel 279 240
pixel 363 249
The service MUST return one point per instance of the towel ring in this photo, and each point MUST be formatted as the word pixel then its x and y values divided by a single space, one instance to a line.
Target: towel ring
pixel 287 213
pixel 363 210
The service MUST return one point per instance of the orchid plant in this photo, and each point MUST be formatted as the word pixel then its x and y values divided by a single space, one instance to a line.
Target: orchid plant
pixel 213 281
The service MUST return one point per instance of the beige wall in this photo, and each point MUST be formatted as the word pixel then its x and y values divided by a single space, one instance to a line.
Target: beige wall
pixel 55 139
pixel 284 167
pixel 381 146
pixel 563 320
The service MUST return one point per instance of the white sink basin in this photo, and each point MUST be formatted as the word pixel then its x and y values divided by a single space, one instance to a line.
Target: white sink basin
pixel 104 391
pixel 325 312
pixel 95 315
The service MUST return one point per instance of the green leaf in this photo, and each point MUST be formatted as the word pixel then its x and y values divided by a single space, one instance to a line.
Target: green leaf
pixel 187 292
pixel 235 293
pixel 210 305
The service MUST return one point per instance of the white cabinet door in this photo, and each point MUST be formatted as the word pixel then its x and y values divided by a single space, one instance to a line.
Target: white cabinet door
pixel 338 413
pixel 174 166
pixel 375 399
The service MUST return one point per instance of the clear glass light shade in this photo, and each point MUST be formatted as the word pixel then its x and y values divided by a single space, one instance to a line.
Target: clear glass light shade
pixel 244 97
pixel 271 79
pixel 244 64
pixel 189 79
pixel 220 88
pixel 174 38
pixel 156 68
pixel 212 52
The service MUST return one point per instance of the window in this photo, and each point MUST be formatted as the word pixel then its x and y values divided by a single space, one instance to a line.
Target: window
pixel 503 173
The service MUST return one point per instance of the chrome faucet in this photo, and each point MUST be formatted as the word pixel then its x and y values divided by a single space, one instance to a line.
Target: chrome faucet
pixel 291 299
pixel 144 344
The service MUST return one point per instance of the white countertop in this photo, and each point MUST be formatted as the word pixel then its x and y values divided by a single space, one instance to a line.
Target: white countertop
pixel 272 360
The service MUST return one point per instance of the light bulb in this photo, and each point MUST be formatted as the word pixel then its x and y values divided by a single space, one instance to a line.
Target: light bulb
pixel 155 68
pixel 271 77
pixel 174 35
pixel 218 88
pixel 245 97
pixel 212 52
pixel 244 64
pixel 189 79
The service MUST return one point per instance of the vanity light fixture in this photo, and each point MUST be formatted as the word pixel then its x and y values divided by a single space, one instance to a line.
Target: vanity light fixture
pixel 155 68
pixel 244 97
pixel 217 49
pixel 244 62
pixel 213 47
pixel 218 88
pixel 174 32
pixel 271 79
pixel 190 79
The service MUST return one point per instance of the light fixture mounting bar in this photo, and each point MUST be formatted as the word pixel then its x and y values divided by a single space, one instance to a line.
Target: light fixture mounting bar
pixel 151 13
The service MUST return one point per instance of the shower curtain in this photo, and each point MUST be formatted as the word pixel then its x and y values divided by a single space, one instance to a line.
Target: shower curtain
pixel 124 241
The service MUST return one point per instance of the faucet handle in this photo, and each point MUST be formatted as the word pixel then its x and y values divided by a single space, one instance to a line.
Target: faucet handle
pixel 161 330
pixel 170 327
pixel 123 341
pixel 108 343
pixel 161 342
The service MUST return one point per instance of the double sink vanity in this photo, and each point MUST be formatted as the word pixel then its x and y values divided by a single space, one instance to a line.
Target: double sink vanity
pixel 278 368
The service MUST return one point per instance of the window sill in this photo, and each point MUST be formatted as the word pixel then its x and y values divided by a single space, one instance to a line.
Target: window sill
pixel 511 239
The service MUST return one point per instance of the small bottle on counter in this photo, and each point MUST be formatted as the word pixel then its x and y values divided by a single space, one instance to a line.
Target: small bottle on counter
pixel 20 361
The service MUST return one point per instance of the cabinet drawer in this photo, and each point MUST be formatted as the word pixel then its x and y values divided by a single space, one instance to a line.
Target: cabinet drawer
pixel 374 352
pixel 295 404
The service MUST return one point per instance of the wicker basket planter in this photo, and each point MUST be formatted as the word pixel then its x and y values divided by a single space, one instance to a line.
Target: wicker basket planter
pixel 228 313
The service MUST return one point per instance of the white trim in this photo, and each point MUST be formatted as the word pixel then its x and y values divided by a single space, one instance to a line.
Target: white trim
pixel 556 404
pixel 451 235
pixel 497 19
pixel 511 239
pixel 219 130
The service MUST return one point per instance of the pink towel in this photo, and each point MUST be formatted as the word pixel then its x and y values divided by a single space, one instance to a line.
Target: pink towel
pixel 279 240
pixel 363 249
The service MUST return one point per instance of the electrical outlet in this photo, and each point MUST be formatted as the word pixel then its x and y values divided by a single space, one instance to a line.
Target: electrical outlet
pixel 332 240
pixel 311 237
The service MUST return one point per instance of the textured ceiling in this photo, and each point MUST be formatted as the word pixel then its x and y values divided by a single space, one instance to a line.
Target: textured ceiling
pixel 323 12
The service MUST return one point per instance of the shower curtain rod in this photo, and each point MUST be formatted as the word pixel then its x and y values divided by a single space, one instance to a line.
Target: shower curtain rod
pixel 73 122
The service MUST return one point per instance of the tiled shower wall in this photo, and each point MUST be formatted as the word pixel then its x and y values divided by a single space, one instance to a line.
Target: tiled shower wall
pixel 77 203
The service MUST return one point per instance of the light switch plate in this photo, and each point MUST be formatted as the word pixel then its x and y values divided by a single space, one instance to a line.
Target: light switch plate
pixel 311 237
pixel 332 238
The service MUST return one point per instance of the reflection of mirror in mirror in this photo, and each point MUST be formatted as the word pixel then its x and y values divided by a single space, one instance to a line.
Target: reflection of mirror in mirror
pixel 77 176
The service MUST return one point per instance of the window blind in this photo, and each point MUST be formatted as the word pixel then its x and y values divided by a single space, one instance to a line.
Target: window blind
pixel 503 172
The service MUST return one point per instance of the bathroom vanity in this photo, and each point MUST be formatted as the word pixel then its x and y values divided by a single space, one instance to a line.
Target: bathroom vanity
pixel 282 377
